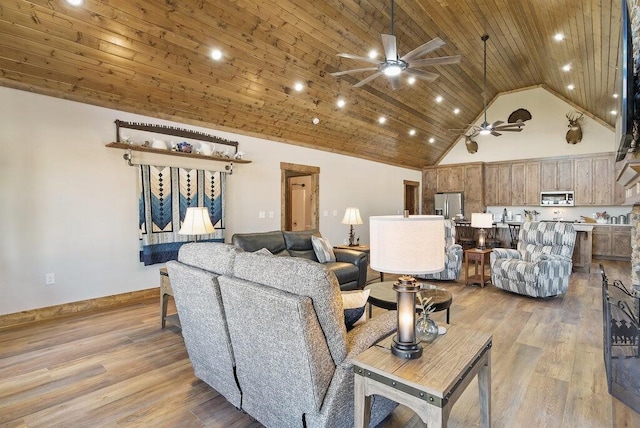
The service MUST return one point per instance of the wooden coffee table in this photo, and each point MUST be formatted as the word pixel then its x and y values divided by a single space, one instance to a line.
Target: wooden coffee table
pixel 382 295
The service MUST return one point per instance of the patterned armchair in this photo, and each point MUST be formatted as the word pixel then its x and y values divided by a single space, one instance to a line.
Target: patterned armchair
pixel 541 264
pixel 453 256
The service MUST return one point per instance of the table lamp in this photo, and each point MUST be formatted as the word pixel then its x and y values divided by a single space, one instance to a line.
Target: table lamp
pixel 481 221
pixel 407 245
pixel 196 222
pixel 351 217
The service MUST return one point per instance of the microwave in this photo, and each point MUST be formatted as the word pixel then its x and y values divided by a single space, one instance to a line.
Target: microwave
pixel 556 199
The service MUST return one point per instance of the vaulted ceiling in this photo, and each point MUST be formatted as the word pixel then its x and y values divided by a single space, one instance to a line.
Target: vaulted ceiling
pixel 154 57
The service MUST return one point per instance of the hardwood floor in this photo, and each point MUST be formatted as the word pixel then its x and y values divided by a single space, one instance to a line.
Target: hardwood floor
pixel 117 368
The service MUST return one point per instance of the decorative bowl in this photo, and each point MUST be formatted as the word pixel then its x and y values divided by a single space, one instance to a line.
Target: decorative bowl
pixel 601 220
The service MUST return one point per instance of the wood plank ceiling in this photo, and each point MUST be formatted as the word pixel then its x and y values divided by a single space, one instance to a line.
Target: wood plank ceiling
pixel 153 57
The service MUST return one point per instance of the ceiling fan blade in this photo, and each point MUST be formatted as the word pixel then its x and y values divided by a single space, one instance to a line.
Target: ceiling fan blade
pixel 497 123
pixel 395 82
pixel 436 61
pixel 355 70
pixel 424 49
pixel 389 44
pixel 494 133
pixel 367 79
pixel 509 129
pixel 359 58
pixel 423 75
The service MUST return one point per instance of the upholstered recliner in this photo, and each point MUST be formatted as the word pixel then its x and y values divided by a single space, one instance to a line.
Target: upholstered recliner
pixel 453 253
pixel 541 264
pixel 293 355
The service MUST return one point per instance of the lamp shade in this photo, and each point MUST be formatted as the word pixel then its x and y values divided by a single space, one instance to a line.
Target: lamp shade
pixel 482 220
pixel 407 245
pixel 196 222
pixel 352 216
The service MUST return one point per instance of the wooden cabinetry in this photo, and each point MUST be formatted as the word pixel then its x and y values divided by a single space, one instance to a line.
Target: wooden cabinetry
pixel 594 182
pixel 473 189
pixel 491 185
pixel 504 184
pixel 612 242
pixel 525 183
pixel 556 175
pixel 429 189
pixel 450 179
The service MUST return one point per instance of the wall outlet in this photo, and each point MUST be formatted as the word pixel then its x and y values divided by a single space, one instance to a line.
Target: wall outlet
pixel 261 214
pixel 270 214
pixel 49 279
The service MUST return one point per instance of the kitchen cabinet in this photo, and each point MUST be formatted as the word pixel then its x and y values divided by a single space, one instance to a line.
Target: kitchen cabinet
pixel 450 179
pixel 556 175
pixel 504 184
pixel 525 183
pixel 473 189
pixel 612 242
pixel 532 184
pixel 518 183
pixel 491 185
pixel 429 189
pixel 593 181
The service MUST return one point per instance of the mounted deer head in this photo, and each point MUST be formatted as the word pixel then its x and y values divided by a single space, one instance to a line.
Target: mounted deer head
pixel 472 146
pixel 574 134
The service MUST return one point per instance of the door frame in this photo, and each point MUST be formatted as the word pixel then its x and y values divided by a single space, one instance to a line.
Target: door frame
pixel 288 170
pixel 415 191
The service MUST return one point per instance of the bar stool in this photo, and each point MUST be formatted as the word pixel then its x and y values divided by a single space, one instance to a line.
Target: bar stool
pixel 514 229
pixel 492 240
pixel 465 235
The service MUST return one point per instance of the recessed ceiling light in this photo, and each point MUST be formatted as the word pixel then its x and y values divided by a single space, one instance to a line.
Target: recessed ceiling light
pixel 615 95
pixel 411 80
pixel 439 99
pixel 373 54
pixel 341 102
pixel 614 112
pixel 432 140
pixel 456 110
pixel 75 2
pixel 559 37
pixel 216 54
pixel 412 132
pixel 382 120
pixel 315 121
pixel 571 87
pixel 566 67
pixel 298 86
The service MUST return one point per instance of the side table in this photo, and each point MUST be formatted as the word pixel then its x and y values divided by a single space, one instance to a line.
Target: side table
pixel 480 259
pixel 426 385
pixel 165 292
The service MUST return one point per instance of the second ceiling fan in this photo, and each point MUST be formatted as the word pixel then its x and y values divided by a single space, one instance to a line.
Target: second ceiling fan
pixel 393 65
pixel 498 126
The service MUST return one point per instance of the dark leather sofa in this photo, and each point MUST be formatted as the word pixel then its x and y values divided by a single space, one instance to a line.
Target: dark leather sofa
pixel 350 266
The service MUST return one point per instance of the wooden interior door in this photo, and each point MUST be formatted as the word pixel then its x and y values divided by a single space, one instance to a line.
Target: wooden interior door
pixel 412 197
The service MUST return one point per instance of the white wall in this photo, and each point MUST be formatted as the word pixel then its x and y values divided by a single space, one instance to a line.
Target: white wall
pixel 69 204
pixel 542 136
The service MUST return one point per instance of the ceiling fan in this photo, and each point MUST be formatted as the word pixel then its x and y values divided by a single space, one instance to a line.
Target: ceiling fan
pixel 498 126
pixel 393 65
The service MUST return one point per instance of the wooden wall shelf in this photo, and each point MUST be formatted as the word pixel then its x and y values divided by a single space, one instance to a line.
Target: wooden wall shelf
pixel 137 148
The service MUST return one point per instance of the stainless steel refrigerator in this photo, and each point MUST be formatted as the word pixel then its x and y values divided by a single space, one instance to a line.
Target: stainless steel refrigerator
pixel 449 204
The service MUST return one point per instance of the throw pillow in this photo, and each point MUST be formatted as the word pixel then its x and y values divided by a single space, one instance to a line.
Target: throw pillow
pixel 264 252
pixel 354 304
pixel 323 249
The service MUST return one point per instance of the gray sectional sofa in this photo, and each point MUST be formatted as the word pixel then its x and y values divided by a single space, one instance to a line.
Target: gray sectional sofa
pixel 350 266
pixel 268 334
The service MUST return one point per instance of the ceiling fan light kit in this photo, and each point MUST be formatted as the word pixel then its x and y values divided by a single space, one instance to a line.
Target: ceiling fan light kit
pixel 393 65
pixel 490 128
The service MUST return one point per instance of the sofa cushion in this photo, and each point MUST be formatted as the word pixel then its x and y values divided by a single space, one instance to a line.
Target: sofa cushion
pixel 345 272
pixel 210 256
pixel 322 248
pixel 272 241
pixel 354 303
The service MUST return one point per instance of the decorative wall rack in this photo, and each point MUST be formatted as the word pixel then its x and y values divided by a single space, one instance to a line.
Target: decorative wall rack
pixel 176 132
